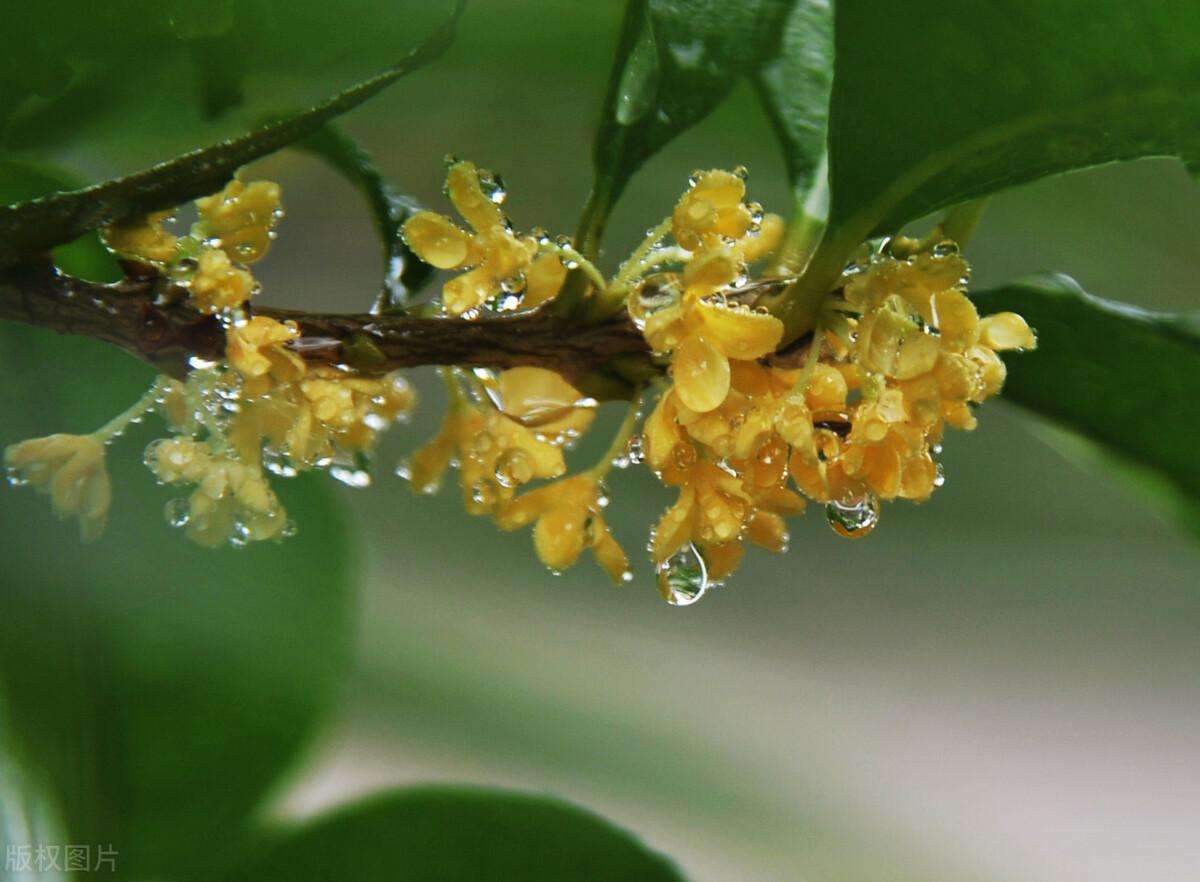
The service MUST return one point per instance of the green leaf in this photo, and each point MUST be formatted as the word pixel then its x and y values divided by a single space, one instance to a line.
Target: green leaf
pixel 676 61
pixel 33 227
pixel 158 687
pixel 936 103
pixel 1120 376
pixel 450 834
pixel 794 88
pixel 403 272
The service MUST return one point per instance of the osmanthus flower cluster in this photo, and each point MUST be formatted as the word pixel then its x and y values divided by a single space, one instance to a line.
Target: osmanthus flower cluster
pixel 746 429
pixel 262 408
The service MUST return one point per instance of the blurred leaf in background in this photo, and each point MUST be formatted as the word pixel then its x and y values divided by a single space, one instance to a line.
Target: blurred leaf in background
pixel 459 834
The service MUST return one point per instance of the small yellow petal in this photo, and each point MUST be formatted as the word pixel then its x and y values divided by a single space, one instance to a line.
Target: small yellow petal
pixel 701 374
pixel 436 240
pixel 1006 330
pixel 957 319
pixel 739 331
pixel 469 291
pixel 543 280
pixel 462 183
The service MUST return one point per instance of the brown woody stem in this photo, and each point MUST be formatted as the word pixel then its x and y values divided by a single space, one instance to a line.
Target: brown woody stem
pixel 152 319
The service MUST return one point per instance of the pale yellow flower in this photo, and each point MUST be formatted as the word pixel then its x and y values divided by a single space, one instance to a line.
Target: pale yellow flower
pixel 256 349
pixel 218 285
pixel 70 470
pixel 492 255
pixel 232 502
pixel 569 519
pixel 142 238
pixel 240 218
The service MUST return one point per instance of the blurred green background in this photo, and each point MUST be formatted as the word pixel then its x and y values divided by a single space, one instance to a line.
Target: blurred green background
pixel 1003 683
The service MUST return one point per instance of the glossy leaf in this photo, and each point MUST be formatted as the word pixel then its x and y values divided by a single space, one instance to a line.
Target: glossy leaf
pixel 795 86
pixel 33 227
pixel 403 272
pixel 460 834
pixel 159 688
pixel 935 103
pixel 1119 376
pixel 676 61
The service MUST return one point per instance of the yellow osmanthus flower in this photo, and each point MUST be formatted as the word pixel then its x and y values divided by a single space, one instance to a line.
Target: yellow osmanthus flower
pixel 232 502
pixel 218 285
pixel 70 470
pixel 257 350
pixel 511 440
pixel 494 258
pixel 712 214
pixel 704 332
pixel 240 219
pixel 143 238
pixel 569 517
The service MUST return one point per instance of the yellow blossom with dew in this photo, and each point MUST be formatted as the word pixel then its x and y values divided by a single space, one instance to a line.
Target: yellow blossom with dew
pixel 512 438
pixel 240 219
pixel 143 238
pixel 494 258
pixel 257 350
pixel 218 285
pixel 569 518
pixel 70 469
pixel 232 501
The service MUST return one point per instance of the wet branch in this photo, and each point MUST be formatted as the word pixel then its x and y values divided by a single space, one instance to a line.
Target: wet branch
pixel 151 319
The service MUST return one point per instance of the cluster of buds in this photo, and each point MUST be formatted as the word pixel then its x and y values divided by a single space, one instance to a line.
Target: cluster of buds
pixel 749 425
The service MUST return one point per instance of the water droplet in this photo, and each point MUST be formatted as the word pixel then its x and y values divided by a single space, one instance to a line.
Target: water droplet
pixel 514 467
pixel 277 463
pixel 177 512
pixel 15 478
pixel 939 479
pixel 351 477
pixel 635 450
pixel 853 518
pixel 683 577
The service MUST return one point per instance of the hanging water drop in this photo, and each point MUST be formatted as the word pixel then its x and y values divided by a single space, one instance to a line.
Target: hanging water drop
pixel 177 512
pixel 351 477
pixel 683 577
pixel 855 517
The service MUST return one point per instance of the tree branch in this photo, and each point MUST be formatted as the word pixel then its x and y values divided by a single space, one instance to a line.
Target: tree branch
pixel 151 318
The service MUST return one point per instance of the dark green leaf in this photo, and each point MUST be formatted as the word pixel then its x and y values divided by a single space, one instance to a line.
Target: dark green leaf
pixel 795 89
pixel 676 61
pixel 161 688
pixel 936 103
pixel 33 227
pixel 459 834
pixel 403 272
pixel 1117 375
